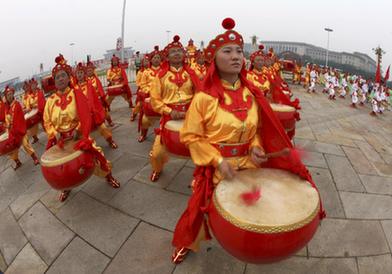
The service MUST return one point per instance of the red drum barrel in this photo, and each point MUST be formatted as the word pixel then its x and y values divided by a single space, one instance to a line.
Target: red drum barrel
pixel 5 146
pixel 171 138
pixel 115 90
pixel 66 168
pixel 286 115
pixel 32 118
pixel 276 226
pixel 147 108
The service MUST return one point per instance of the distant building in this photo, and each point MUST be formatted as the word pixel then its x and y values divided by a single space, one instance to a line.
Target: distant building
pixel 357 60
pixel 11 82
pixel 128 53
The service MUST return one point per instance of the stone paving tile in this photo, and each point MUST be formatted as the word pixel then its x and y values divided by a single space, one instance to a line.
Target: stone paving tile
pixel 349 134
pixel 379 146
pixel 387 158
pixel 51 199
pixel 343 174
pixel 377 184
pixel 347 238
pixel 375 264
pixel 123 170
pixel 148 250
pixel 366 206
pixel 27 262
pixel 210 259
pixel 370 153
pixel 100 225
pixel 181 183
pixel 3 265
pixel 47 234
pixel 171 169
pixel 334 139
pixel 12 239
pixel 79 257
pixel 328 192
pixel 10 188
pixel 383 169
pixel 317 146
pixel 314 159
pixel 297 265
pixel 305 133
pixel 358 160
pixel 28 198
pixel 387 226
pixel 151 204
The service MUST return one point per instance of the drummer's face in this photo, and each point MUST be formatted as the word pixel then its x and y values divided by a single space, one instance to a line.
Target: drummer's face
pixel 175 56
pixel 9 97
pixel 80 75
pixel 61 80
pixel 229 59
pixel 90 71
pixel 156 60
pixel 115 62
pixel 258 63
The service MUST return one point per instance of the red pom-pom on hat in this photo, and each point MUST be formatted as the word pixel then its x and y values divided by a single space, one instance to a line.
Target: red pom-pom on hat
pixel 156 48
pixel 176 38
pixel 261 47
pixel 228 23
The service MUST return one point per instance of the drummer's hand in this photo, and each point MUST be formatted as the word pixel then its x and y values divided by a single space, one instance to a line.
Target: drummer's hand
pixel 258 155
pixel 176 115
pixel 226 170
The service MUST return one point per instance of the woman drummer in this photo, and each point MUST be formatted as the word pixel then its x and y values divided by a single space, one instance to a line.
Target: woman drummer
pixel 67 116
pixel 229 126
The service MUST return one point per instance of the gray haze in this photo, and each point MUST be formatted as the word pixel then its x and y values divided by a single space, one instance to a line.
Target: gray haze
pixel 35 31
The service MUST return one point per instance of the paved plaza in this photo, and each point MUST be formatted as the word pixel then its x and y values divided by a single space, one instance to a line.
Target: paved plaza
pixel 128 230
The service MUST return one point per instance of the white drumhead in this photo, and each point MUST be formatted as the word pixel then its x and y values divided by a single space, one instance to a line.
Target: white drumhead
pixel 55 156
pixel 31 113
pixel 174 125
pixel 282 108
pixel 285 200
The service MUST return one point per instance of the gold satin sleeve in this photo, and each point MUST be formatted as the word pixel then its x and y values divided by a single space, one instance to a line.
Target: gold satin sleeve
pixel 139 77
pixel 156 99
pixel 192 133
pixel 49 127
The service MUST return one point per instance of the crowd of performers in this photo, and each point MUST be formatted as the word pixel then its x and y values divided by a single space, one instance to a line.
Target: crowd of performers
pixel 337 84
pixel 228 123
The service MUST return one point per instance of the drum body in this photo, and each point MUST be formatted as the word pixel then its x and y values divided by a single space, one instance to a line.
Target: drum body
pixel 66 168
pixel 5 146
pixel 115 90
pixel 171 138
pixel 147 109
pixel 277 226
pixel 286 116
pixel 32 118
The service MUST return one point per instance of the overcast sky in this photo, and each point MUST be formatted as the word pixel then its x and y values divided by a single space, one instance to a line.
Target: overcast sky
pixel 35 31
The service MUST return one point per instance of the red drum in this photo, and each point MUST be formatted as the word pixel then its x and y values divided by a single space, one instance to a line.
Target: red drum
pixel 171 138
pixel 286 115
pixel 32 118
pixel 276 226
pixel 66 168
pixel 147 109
pixel 5 146
pixel 115 90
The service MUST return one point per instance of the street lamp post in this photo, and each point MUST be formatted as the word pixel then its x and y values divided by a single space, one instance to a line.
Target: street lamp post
pixel 122 32
pixel 328 30
pixel 168 35
pixel 72 54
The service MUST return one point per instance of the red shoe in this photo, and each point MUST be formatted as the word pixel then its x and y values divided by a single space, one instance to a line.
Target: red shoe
pixel 18 164
pixel 155 176
pixel 64 195
pixel 143 136
pixel 179 255
pixel 112 181
pixel 111 143
pixel 35 159
pixel 110 122
pixel 35 139
pixel 133 117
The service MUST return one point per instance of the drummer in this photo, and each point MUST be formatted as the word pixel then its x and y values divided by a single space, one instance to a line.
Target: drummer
pixel 171 93
pixel 139 74
pixel 36 100
pixel 199 65
pixel 25 98
pixel 116 75
pixel 257 73
pixel 15 124
pixel 97 85
pixel 98 113
pixel 225 133
pixel 67 116
pixel 147 79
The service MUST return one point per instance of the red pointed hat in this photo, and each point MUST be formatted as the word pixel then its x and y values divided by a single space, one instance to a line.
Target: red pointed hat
pixel 80 66
pixel 230 36
pixel 154 52
pixel 259 52
pixel 9 89
pixel 114 57
pixel 90 65
pixel 175 44
pixel 61 64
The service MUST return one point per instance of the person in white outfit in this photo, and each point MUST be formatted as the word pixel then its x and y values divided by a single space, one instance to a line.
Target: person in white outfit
pixel 313 79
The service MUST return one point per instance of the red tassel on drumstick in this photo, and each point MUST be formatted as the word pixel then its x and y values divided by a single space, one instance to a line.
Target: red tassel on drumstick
pixel 251 197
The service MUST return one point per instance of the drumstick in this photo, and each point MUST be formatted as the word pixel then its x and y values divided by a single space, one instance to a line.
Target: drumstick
pixel 283 152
